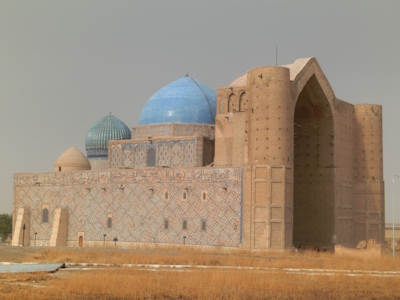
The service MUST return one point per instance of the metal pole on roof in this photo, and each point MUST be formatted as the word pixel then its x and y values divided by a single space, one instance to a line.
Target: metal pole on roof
pixel 394 248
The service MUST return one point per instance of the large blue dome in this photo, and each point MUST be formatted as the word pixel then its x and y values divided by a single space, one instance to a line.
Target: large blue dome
pixel 185 100
pixel 106 129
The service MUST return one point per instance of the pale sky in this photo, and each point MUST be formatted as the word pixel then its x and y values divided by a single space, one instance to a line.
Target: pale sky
pixel 66 64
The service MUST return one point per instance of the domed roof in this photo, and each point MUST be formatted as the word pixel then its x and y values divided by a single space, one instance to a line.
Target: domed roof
pixel 240 81
pixel 71 160
pixel 185 100
pixel 108 128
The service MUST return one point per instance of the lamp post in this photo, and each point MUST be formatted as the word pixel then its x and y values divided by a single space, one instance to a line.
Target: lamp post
pixel 104 235
pixel 35 237
pixel 184 240
pixel 394 248
pixel 23 235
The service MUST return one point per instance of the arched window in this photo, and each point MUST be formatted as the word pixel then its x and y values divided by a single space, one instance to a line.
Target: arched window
pixel 221 106
pixel 166 224
pixel 184 225
pixel 59 168
pixel 109 222
pixel 45 215
pixel 166 195
pixel 232 103
pixel 184 195
pixel 204 196
pixel 244 102
pixel 203 225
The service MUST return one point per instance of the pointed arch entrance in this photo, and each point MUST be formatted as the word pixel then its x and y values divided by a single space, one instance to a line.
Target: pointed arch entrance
pixel 313 193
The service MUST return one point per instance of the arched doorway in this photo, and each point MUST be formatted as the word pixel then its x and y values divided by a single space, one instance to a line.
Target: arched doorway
pixel 80 241
pixel 313 194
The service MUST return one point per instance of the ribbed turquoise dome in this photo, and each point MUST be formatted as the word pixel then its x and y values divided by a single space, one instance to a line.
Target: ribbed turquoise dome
pixel 185 100
pixel 108 128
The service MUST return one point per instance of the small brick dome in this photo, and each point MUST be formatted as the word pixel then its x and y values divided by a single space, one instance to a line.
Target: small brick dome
pixel 72 160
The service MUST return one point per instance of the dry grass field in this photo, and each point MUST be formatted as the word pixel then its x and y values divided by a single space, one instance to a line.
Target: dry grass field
pixel 211 283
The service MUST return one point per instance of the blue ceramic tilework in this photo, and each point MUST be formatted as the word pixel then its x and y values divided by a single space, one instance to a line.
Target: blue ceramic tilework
pixel 106 129
pixel 139 207
pixel 185 100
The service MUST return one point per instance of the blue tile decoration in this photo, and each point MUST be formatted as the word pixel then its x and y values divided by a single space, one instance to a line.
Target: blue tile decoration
pixel 185 100
pixel 106 129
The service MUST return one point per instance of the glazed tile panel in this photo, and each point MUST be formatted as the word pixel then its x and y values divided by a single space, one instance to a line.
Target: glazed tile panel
pixel 138 204
pixel 128 154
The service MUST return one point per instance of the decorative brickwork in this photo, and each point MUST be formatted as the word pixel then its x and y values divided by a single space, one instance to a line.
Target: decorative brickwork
pixel 173 129
pixel 175 151
pixel 136 199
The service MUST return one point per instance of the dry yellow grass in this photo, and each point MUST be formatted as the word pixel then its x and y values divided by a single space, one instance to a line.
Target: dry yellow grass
pixel 205 284
pixel 128 283
pixel 212 257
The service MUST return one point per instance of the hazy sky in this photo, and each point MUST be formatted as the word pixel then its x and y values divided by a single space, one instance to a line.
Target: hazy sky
pixel 66 64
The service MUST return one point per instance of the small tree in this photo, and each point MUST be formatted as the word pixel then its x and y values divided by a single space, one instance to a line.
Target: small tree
pixel 5 226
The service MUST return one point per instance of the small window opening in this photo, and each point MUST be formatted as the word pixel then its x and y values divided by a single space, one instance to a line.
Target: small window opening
pixel 204 196
pixel 166 224
pixel 109 222
pixel 45 215
pixel 166 195
pixel 184 195
pixel 203 225
pixel 59 168
pixel 184 225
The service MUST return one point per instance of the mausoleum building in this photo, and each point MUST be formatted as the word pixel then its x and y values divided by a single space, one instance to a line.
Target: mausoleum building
pixel 272 160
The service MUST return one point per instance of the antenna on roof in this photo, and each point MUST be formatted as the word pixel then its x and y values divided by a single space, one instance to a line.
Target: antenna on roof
pixel 276 56
pixel 187 74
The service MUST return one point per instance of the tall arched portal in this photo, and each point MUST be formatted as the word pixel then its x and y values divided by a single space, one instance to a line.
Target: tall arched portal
pixel 313 197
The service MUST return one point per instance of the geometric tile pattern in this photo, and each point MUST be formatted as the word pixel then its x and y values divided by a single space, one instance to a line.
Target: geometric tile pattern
pixel 169 152
pixel 127 150
pixel 163 153
pixel 139 155
pixel 116 156
pixel 190 149
pixel 176 153
pixel 136 200
pixel 173 129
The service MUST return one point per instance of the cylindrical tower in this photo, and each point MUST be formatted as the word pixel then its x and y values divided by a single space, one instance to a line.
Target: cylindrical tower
pixel 369 142
pixel 270 116
pixel 370 206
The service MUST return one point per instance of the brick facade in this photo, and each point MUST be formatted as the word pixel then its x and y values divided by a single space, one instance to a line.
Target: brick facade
pixel 137 201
